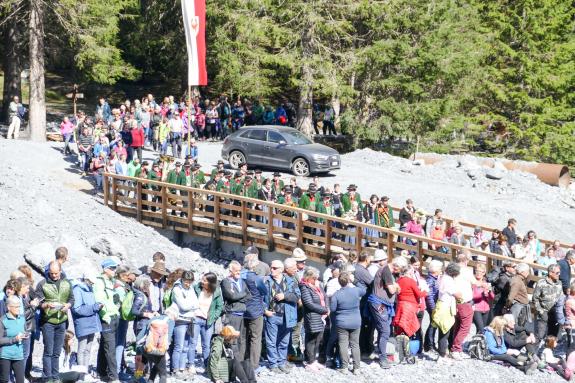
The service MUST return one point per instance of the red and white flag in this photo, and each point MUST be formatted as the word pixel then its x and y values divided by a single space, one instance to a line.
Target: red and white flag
pixel 194 12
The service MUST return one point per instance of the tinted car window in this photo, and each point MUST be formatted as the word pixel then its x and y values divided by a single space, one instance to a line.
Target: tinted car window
pixel 257 134
pixel 244 134
pixel 296 138
pixel 275 137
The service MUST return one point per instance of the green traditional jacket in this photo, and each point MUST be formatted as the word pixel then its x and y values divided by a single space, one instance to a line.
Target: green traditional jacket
pixel 277 189
pixel 384 218
pixel 154 177
pixel 195 180
pixel 346 202
pixel 292 203
pixel 305 202
pixel 251 191
pixel 321 208
pixel 224 186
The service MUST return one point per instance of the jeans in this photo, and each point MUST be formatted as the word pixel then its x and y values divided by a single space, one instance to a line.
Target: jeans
pixel 85 349
pixel 85 158
pixel 7 365
pixel 67 138
pixel 254 329
pixel 106 366
pixel 176 144
pixel 53 338
pixel 201 329
pixel 382 324
pixel 429 343
pixel 138 150
pixel 121 342
pixel 481 320
pixel 463 320
pixel 277 340
pixel 331 340
pixel 346 339
pixel 164 147
pixel 181 338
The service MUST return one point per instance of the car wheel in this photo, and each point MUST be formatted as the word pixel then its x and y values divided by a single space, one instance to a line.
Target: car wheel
pixel 236 158
pixel 300 167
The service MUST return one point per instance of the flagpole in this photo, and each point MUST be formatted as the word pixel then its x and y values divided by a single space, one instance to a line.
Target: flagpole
pixel 189 118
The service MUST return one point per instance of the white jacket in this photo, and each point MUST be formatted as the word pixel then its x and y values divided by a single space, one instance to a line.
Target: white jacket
pixel 185 300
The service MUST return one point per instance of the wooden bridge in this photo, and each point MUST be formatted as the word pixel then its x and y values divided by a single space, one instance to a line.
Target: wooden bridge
pixel 270 226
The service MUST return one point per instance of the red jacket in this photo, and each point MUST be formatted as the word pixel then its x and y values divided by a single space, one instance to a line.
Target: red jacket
pixel 137 137
pixel 405 318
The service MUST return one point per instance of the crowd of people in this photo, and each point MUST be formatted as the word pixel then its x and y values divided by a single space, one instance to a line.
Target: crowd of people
pixel 274 317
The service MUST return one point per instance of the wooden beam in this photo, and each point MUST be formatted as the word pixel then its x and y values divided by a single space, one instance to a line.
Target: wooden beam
pixel 139 201
pixel 114 194
pixel 217 218
pixel 244 223
pixel 191 206
pixel 164 207
pixel 107 189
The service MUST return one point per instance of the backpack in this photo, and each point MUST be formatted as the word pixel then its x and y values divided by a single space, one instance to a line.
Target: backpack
pixel 477 348
pixel 126 307
pixel 167 298
pixel 21 111
pixel 157 341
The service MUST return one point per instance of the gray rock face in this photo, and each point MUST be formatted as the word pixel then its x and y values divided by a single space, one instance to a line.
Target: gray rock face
pixel 40 254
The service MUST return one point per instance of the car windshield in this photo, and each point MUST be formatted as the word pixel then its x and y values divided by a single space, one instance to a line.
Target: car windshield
pixel 296 138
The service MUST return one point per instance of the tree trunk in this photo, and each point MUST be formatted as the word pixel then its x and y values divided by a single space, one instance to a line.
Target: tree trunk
pixel 305 104
pixel 336 105
pixel 12 65
pixel 37 86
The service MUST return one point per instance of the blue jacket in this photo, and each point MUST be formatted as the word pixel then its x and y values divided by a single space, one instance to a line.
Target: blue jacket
pixel 344 306
pixel 291 297
pixel 85 311
pixel 495 344
pixel 9 328
pixel 257 288
pixel 433 294
pixel 565 273
pixel 140 306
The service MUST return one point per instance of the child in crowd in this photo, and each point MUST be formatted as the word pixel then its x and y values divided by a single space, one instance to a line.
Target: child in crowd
pixel 558 364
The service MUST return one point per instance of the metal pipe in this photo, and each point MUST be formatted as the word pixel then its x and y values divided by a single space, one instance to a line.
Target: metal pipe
pixel 551 174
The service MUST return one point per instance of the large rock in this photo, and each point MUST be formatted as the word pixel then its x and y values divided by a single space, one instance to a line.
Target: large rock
pixel 40 254
pixel 79 267
pixel 494 174
pixel 108 246
pixel 76 249
pixel 473 173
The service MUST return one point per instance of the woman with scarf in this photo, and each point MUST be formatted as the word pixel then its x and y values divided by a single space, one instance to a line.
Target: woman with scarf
pixel 315 312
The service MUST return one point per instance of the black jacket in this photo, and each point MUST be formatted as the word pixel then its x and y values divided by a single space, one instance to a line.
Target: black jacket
pixel 313 310
pixel 234 301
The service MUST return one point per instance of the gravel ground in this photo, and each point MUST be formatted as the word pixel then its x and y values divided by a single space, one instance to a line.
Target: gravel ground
pixel 45 202
pixel 536 206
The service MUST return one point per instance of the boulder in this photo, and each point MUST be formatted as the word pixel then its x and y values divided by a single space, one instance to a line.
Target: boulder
pixel 77 268
pixel 108 246
pixel 473 173
pixel 40 254
pixel 76 249
pixel 494 174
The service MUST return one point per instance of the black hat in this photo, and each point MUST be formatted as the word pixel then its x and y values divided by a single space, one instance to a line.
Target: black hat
pixel 288 189
pixel 178 163
pixel 326 195
pixel 221 162
pixel 258 171
pixel 247 178
pixel 238 175
pixel 227 173
pixel 188 157
pixel 250 173
pixel 352 187
pixel 196 166
pixel 242 164
pixel 187 165
pixel 221 171
pixel 385 198
pixel 312 188
pixel 277 174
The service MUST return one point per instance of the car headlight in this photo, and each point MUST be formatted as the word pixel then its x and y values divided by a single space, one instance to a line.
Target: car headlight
pixel 320 157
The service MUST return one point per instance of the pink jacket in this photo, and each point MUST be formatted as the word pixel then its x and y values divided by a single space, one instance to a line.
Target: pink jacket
pixel 414 228
pixel 482 299
pixel 66 127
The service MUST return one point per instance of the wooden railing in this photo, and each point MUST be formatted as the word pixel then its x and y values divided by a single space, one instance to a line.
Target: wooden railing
pixel 267 225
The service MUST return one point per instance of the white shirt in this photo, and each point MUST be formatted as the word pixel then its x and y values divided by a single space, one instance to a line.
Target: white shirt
pixel 446 289
pixel 176 126
pixel 464 282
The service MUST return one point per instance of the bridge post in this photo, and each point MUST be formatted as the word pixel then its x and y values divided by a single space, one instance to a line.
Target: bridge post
pixel 139 201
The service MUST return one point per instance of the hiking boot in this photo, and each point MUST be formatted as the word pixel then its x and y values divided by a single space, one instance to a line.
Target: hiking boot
pixel 343 370
pixel 284 369
pixel 275 370
pixel 456 356
pixel 402 342
pixel 356 371
pixel 384 364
